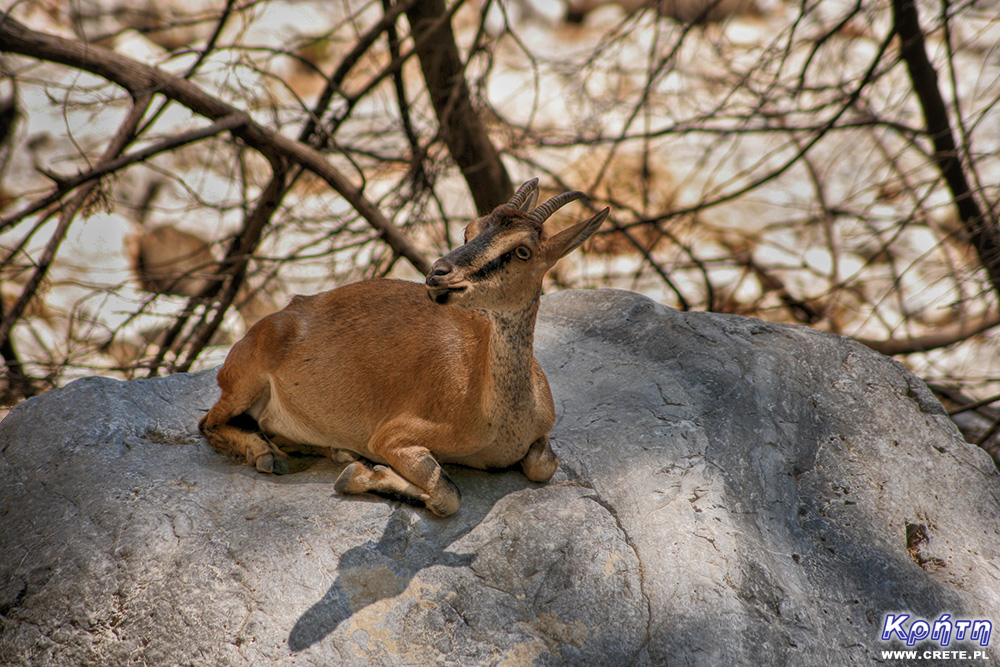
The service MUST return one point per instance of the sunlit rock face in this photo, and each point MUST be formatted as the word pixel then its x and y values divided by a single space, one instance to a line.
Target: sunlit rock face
pixel 730 492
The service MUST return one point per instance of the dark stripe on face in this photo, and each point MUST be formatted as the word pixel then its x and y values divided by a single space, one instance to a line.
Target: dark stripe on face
pixel 479 247
pixel 492 266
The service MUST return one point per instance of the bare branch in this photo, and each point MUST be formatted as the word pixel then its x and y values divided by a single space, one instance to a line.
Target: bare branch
pixel 985 237
pixel 234 266
pixel 125 136
pixel 69 183
pixel 138 79
pixel 463 131
pixel 942 338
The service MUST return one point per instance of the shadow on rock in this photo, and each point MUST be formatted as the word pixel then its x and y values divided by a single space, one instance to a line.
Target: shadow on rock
pixel 411 541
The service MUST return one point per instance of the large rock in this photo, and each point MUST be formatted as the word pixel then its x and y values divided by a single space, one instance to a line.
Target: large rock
pixel 731 493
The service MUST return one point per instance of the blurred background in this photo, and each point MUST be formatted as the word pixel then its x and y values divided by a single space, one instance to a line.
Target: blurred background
pixel 826 163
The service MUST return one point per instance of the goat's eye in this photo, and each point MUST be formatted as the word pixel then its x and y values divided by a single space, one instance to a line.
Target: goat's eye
pixel 523 252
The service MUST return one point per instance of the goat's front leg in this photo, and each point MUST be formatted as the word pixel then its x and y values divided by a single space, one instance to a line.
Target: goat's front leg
pixel 440 495
pixel 412 475
pixel 540 463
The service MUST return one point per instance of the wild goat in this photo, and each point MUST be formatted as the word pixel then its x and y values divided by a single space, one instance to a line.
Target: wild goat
pixel 408 382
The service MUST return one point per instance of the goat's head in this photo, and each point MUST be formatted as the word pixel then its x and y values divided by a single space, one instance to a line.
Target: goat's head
pixel 507 252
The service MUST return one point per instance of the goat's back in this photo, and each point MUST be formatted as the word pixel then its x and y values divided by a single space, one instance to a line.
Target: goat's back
pixel 337 365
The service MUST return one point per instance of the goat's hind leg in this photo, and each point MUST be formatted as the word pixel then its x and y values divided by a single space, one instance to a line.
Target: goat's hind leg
pixel 231 431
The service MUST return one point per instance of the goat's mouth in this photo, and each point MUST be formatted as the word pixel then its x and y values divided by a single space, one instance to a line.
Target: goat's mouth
pixel 442 294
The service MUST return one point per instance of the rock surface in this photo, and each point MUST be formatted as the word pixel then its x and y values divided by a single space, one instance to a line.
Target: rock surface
pixel 731 492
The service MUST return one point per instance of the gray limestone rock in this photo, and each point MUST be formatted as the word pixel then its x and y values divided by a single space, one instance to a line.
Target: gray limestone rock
pixel 731 492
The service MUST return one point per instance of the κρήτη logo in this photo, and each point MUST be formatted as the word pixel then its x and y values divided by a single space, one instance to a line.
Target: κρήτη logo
pixel 941 631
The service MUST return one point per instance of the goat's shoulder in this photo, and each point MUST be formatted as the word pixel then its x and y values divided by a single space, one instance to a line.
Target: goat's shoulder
pixel 384 305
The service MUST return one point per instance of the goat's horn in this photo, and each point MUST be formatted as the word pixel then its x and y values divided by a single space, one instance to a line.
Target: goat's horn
pixel 524 194
pixel 542 213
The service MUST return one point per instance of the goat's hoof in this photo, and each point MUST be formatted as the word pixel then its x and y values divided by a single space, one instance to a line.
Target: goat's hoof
pixel 268 463
pixel 442 507
pixel 281 465
pixel 348 482
pixel 342 455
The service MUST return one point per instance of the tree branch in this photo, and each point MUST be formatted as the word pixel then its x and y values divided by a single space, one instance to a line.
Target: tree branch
pixel 944 337
pixel 123 138
pixel 985 237
pixel 19 384
pixel 461 128
pixel 138 78
pixel 69 183
pixel 234 266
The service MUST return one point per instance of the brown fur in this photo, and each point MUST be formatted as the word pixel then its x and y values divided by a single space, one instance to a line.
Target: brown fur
pixel 381 368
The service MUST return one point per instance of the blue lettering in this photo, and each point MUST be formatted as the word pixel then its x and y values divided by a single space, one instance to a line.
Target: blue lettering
pixel 919 630
pixel 981 630
pixel 942 630
pixel 893 624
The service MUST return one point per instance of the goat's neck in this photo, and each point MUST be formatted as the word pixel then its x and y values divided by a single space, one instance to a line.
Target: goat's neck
pixel 511 357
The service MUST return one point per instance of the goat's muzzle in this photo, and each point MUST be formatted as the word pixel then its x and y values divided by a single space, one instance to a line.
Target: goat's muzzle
pixel 442 283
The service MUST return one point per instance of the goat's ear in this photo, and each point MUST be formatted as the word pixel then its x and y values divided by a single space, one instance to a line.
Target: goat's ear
pixel 472 229
pixel 570 239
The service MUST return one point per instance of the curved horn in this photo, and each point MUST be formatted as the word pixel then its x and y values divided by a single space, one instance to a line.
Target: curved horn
pixel 542 213
pixel 526 194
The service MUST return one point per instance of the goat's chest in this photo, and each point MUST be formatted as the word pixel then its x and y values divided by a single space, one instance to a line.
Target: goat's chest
pixel 506 434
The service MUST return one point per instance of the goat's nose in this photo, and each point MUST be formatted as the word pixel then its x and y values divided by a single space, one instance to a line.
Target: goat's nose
pixel 440 269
